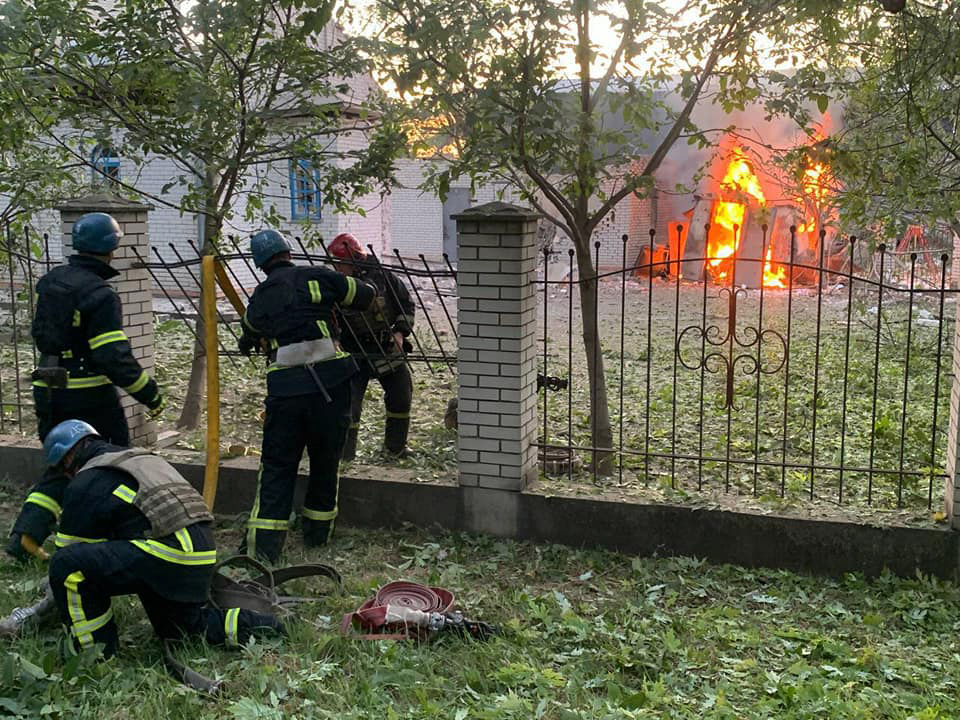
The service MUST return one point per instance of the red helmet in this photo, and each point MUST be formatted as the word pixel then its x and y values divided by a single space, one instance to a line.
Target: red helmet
pixel 345 247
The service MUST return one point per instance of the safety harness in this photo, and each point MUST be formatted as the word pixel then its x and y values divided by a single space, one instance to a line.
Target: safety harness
pixel 407 610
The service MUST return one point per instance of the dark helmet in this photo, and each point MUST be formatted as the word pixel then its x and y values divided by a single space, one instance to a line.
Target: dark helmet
pixel 265 244
pixel 96 233
pixel 345 247
pixel 63 437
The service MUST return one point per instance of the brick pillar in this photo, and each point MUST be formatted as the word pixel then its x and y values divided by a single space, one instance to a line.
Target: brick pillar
pixel 497 310
pixel 952 485
pixel 132 284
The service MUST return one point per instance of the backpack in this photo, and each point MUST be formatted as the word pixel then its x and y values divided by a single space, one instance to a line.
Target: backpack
pixel 57 319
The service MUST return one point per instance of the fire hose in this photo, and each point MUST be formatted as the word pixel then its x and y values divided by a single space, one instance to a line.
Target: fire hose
pixel 402 610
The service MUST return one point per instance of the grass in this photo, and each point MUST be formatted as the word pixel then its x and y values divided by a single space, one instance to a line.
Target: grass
pixel 586 634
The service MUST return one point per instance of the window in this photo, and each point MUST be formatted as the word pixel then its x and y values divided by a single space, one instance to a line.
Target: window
pixel 304 190
pixel 106 165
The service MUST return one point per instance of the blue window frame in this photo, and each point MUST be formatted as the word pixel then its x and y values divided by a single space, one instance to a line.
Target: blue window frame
pixel 305 198
pixel 106 165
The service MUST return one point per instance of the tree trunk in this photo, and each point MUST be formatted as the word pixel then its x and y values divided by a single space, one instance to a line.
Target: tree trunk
pixel 601 433
pixel 193 401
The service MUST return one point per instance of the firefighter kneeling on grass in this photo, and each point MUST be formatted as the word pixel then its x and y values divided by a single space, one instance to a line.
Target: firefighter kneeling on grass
pixel 290 317
pixel 377 338
pixel 132 525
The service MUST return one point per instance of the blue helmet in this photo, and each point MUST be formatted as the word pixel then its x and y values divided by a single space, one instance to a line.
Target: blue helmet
pixel 96 233
pixel 63 437
pixel 265 244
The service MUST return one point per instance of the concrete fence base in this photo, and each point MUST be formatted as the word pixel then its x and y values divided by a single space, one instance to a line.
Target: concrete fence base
pixel 803 545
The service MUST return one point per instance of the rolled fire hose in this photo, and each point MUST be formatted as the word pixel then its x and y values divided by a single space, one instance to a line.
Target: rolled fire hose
pixel 411 610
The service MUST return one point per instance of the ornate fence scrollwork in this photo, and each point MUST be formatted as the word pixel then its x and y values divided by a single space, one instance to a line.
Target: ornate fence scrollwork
pixel 726 360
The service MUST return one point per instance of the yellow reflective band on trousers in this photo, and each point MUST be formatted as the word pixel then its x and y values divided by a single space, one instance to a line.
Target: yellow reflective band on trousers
pixel 140 383
pixel 351 291
pixel 255 522
pixel 398 416
pixel 325 516
pixel 89 627
pixel 62 539
pixel 322 515
pixel 315 295
pixel 267 524
pixel 75 608
pixel 80 383
pixel 107 338
pixel 179 557
pixel 44 501
pixel 76 318
pixel 324 330
pixel 231 626
pixel 125 493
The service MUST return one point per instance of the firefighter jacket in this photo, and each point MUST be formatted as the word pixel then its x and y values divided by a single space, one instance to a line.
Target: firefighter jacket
pixel 370 332
pixel 105 501
pixel 293 310
pixel 41 510
pixel 78 325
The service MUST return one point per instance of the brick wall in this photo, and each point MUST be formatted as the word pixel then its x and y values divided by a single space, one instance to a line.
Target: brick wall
pixel 632 216
pixel 416 217
pixel 952 483
pixel 496 361
pixel 134 287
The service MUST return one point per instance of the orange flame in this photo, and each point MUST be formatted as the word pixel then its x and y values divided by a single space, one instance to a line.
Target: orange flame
pixel 727 220
pixel 771 277
pixel 814 193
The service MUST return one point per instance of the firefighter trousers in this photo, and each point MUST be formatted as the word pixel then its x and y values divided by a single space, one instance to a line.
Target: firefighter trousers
pixel 397 399
pixel 85 576
pixel 293 424
pixel 106 415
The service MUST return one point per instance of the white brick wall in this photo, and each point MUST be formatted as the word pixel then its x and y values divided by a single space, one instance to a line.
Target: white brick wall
pixel 632 216
pixel 496 363
pixel 134 287
pixel 417 217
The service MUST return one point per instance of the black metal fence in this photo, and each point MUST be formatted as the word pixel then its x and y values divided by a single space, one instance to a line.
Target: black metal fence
pixel 835 390
pixel 175 273
pixel 431 288
pixel 25 256
pixel 176 279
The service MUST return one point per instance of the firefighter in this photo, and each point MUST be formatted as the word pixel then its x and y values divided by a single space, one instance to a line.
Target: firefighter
pixel 84 357
pixel 290 317
pixel 377 337
pixel 132 525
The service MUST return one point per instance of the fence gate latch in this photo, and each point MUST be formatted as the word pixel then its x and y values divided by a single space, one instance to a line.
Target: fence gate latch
pixel 550 382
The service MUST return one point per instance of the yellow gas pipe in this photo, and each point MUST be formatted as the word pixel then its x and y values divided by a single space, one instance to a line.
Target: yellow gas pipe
pixel 211 472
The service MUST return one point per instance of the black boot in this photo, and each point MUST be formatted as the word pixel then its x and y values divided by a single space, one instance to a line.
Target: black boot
pixel 316 533
pixel 395 436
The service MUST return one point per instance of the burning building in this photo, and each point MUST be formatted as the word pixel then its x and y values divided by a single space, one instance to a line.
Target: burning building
pixel 739 228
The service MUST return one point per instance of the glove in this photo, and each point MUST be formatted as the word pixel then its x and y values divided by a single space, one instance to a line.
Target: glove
pixel 246 345
pixel 156 407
